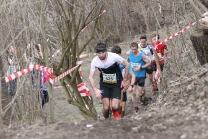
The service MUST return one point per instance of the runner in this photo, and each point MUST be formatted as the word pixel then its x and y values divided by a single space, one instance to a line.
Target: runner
pixel 117 50
pixel 160 50
pixel 138 64
pixel 110 78
pixel 147 49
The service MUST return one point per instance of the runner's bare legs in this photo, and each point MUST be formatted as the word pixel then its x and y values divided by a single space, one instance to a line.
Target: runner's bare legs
pixel 106 107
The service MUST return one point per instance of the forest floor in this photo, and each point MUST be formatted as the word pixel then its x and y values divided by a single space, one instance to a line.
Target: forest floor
pixel 179 112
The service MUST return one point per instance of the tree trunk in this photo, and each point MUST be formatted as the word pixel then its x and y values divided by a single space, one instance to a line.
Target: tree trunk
pixel 1 67
pixel 200 43
pixel 45 50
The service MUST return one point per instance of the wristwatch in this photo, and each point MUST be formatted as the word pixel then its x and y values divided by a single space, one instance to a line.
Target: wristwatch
pixel 141 68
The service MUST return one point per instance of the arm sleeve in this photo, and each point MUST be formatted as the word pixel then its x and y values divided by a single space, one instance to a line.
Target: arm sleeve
pixel 118 58
pixel 92 68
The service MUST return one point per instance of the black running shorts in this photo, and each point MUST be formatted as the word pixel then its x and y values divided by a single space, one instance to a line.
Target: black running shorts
pixel 140 81
pixel 150 68
pixel 161 67
pixel 111 90
pixel 124 97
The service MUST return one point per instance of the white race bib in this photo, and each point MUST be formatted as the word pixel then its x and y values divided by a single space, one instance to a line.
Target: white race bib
pixel 109 78
pixel 135 65
pixel 159 55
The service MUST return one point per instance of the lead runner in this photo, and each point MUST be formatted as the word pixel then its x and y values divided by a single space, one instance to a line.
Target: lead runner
pixel 110 78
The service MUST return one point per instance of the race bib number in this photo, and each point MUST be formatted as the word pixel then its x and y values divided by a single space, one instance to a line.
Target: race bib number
pixel 135 65
pixel 109 78
pixel 159 55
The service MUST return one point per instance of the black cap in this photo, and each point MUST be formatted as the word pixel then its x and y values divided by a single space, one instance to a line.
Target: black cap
pixel 101 48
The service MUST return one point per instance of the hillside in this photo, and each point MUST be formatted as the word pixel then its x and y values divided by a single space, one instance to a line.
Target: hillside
pixel 178 112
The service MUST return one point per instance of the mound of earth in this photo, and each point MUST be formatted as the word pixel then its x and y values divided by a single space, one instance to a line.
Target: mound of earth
pixel 179 112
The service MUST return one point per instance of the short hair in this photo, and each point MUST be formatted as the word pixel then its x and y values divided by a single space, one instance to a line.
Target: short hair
pixel 116 49
pixel 155 35
pixel 143 37
pixel 100 43
pixel 134 44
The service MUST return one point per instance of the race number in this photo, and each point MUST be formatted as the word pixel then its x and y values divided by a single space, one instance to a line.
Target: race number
pixel 109 78
pixel 135 65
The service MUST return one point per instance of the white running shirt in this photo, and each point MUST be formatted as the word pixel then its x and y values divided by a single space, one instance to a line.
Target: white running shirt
pixel 147 51
pixel 111 59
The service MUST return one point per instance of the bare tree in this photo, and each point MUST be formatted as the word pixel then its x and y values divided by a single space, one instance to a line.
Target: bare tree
pixel 70 18
pixel 59 25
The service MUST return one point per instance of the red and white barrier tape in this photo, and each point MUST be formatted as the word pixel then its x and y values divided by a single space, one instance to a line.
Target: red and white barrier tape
pixel 17 74
pixel 53 81
pixel 59 50
pixel 58 87
pixel 80 69
pixel 82 88
pixel 24 71
pixel 41 68
pixel 157 77
pixel 104 11
pixel 55 53
pixel 176 34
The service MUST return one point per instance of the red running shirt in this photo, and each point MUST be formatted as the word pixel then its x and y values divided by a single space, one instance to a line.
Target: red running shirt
pixel 160 49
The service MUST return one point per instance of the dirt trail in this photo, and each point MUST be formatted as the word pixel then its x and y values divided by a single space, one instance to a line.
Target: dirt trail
pixel 180 112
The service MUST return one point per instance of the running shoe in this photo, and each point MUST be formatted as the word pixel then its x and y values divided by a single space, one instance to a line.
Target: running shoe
pixel 110 114
pixel 136 109
pixel 116 114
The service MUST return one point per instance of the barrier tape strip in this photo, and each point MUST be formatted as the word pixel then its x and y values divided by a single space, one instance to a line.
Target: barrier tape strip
pixel 17 74
pixel 58 87
pixel 41 68
pixel 82 88
pixel 53 81
pixel 24 71
pixel 177 33
pixel 104 11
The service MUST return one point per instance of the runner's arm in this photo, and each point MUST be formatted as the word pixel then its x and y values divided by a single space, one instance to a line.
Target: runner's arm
pixel 92 80
pixel 146 60
pixel 98 73
pixel 96 90
pixel 133 78
pixel 126 70
pixel 127 54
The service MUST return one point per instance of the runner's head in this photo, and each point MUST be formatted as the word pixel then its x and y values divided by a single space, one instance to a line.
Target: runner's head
pixel 134 48
pixel 116 49
pixel 143 41
pixel 101 50
pixel 155 37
